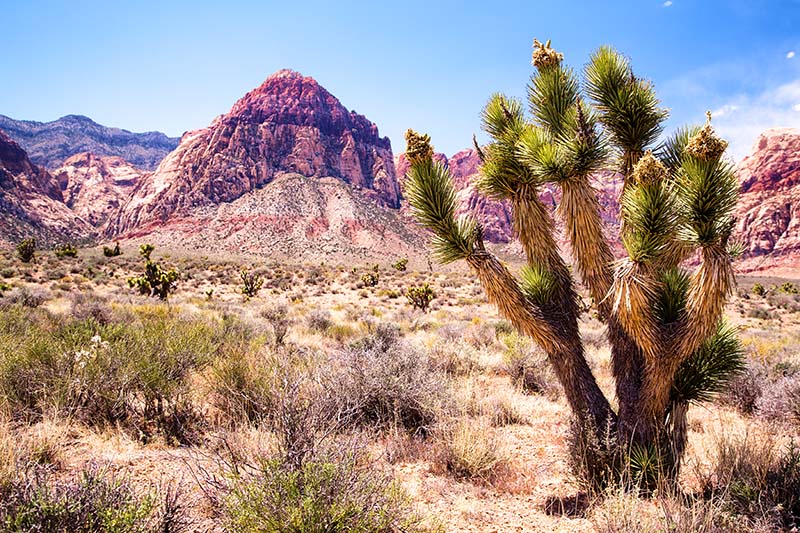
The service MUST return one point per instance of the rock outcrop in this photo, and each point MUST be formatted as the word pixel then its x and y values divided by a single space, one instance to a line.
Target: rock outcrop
pixel 31 203
pixel 768 214
pixel 288 124
pixel 49 144
pixel 94 187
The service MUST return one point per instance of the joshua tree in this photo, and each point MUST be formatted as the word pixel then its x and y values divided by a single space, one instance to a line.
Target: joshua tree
pixel 669 343
pixel 155 281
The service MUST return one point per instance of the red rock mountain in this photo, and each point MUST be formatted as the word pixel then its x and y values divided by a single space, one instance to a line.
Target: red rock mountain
pixel 288 171
pixel 94 187
pixel 768 214
pixel 31 203
pixel 290 124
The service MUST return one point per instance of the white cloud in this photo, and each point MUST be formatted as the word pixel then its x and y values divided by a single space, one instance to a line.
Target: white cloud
pixel 727 109
pixel 790 55
pixel 667 3
pixel 743 117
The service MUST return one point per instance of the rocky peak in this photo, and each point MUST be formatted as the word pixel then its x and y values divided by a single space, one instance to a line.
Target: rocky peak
pixel 289 124
pixel 768 213
pixel 774 163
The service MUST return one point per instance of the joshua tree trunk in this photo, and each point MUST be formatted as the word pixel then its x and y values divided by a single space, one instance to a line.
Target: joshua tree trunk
pixel 668 344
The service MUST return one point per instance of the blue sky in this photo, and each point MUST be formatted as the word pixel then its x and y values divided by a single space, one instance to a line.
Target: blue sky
pixel 173 66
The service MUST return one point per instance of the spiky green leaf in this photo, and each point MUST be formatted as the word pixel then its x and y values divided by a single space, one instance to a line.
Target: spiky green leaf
pixel 432 196
pixel 718 360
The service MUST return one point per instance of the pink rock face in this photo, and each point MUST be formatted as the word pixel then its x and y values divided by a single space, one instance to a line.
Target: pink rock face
pixel 94 187
pixel 768 214
pixel 31 203
pixel 288 124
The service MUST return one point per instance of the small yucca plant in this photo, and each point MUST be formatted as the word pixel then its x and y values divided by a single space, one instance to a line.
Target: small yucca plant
pixel 669 344
pixel 251 282
pixel 26 249
pixel 155 281
pixel 420 297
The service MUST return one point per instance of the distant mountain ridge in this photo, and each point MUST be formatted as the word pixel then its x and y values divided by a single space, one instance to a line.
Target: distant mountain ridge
pixel 50 144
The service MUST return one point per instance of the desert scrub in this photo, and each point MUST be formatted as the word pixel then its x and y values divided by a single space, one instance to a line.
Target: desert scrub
pixel 527 367
pixel 93 501
pixel 759 479
pixel 333 491
pixel 134 373
pixel 386 382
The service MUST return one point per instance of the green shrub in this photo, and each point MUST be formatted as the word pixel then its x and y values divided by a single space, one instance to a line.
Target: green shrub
pixel 155 281
pixel 333 492
pixel 401 264
pixel 420 297
pixel 759 290
pixel 134 374
pixel 26 250
pixel 112 252
pixel 65 250
pixel 94 501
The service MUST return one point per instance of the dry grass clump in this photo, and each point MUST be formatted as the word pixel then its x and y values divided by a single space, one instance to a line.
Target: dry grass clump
pixel 502 410
pixel 454 358
pixel 625 512
pixel 469 449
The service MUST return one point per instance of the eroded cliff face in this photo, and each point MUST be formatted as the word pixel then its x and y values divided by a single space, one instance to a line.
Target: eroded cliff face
pixel 290 124
pixel 768 214
pixel 31 203
pixel 95 187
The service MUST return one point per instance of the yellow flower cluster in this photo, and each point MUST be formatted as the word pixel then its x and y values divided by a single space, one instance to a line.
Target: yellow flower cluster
pixel 544 56
pixel 705 145
pixel 418 147
pixel 649 169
